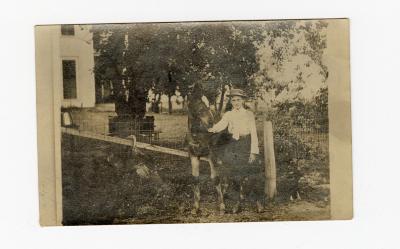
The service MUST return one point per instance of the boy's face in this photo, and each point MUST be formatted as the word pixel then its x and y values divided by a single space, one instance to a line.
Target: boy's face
pixel 237 102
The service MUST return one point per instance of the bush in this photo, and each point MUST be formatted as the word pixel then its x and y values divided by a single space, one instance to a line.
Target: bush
pixel 311 114
pixel 302 164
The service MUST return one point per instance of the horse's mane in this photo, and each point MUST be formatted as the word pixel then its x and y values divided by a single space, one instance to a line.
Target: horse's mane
pixel 196 106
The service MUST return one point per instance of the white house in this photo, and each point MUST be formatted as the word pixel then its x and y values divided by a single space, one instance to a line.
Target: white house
pixel 66 57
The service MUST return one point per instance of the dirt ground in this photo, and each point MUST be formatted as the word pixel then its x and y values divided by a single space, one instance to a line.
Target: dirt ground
pixel 105 184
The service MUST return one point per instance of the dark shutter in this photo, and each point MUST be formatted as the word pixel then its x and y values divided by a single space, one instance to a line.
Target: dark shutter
pixel 67 29
pixel 69 79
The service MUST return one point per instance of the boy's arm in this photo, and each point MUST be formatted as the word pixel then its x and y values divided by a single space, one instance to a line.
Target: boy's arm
pixel 221 125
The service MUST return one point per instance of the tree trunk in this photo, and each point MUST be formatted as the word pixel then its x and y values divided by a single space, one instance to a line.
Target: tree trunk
pixel 184 104
pixel 121 106
pixel 221 101
pixel 169 104
pixel 137 102
pixel 157 103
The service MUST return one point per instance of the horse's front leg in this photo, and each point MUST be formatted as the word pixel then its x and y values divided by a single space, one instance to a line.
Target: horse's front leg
pixel 195 162
pixel 217 183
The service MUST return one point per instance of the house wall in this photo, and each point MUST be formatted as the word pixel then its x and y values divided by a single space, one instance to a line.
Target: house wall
pixel 80 48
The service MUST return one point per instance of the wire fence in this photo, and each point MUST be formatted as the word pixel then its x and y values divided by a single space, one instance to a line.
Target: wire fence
pixel 170 130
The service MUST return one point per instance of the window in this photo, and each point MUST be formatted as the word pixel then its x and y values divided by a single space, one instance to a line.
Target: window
pixel 69 79
pixel 67 29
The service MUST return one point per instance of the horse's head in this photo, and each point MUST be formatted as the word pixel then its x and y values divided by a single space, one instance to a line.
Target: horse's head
pixel 206 116
pixel 201 112
pixel 195 91
pixel 197 108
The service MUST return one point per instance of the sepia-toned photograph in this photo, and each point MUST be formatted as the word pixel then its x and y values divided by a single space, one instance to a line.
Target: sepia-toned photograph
pixel 194 122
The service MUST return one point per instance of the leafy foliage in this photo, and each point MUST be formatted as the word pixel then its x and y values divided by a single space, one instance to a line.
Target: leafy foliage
pixel 166 58
pixel 291 60
pixel 302 161
pixel 311 114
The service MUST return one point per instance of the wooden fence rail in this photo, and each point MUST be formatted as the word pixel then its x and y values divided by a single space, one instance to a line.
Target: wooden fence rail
pixel 131 141
pixel 269 154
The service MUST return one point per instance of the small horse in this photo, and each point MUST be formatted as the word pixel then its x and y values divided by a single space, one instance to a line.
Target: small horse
pixel 201 143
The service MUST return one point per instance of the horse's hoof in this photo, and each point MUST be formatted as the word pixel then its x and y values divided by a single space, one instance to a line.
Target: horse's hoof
pixel 222 209
pixel 260 207
pixel 195 211
pixel 236 209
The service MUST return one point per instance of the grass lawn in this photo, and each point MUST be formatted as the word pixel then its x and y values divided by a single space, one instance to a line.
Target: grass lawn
pixel 100 189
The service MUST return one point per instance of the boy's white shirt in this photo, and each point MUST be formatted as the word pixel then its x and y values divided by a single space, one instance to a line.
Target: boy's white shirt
pixel 240 122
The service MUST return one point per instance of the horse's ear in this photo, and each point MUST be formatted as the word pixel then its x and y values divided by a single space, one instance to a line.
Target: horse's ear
pixel 197 89
pixel 217 115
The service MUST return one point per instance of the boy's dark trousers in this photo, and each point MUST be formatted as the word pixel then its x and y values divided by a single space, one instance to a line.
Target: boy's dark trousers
pixel 249 186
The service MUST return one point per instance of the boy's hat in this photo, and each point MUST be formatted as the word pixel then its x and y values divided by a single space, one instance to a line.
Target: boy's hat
pixel 237 92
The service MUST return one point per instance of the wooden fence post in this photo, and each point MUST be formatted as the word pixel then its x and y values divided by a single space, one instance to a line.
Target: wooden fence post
pixel 270 166
pixel 133 143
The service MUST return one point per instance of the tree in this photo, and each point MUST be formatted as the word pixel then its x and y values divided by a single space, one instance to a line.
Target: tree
pixel 166 58
pixel 108 41
pixel 222 55
pixel 291 60
pixel 124 57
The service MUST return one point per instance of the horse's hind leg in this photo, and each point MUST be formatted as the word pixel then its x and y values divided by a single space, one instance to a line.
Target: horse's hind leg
pixel 217 183
pixel 195 162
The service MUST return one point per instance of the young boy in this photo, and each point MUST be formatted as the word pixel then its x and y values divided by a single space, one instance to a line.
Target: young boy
pixel 240 153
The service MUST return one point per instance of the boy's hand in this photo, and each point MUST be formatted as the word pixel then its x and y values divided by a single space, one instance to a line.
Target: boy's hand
pixel 252 158
pixel 194 144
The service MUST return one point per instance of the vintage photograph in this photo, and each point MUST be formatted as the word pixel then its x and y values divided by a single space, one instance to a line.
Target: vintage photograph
pixel 192 122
